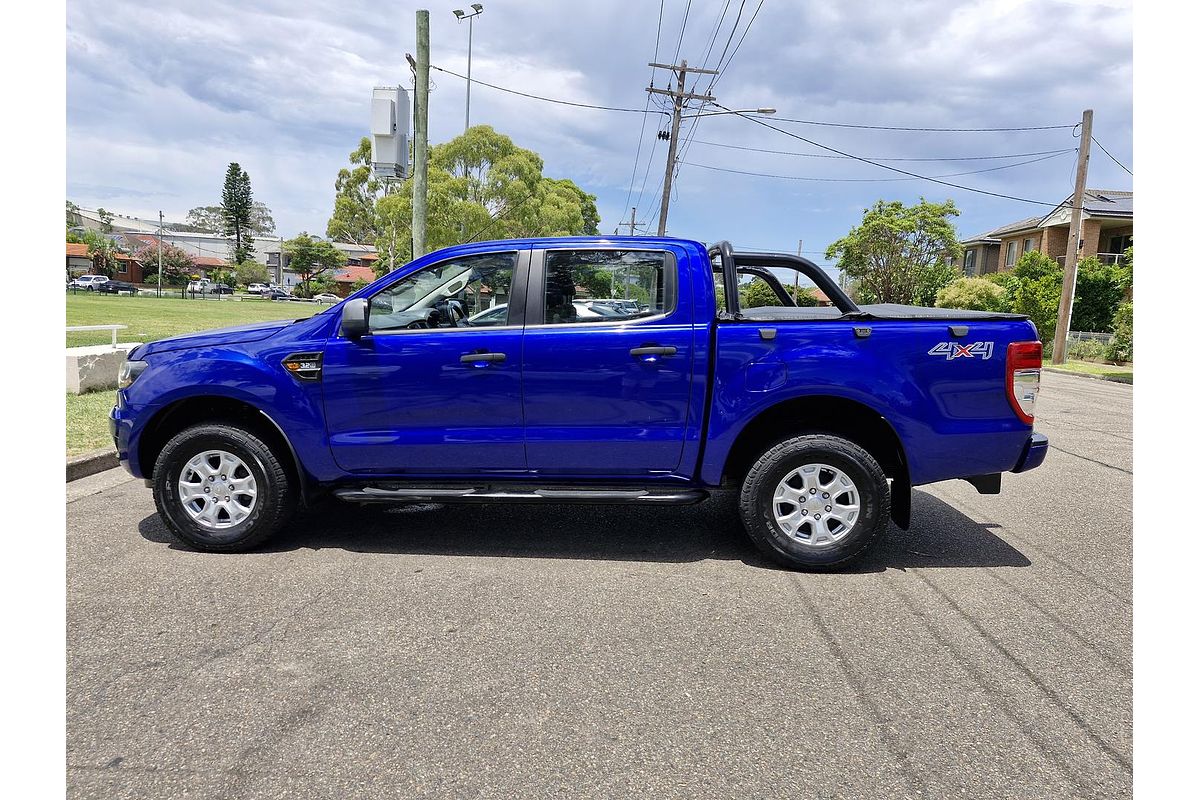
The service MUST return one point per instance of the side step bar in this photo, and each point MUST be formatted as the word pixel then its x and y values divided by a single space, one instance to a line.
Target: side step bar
pixel 519 494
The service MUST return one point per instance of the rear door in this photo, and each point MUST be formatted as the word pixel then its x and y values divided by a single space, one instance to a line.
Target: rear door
pixel 607 384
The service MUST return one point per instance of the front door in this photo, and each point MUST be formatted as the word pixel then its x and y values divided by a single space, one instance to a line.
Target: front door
pixel 434 389
pixel 608 363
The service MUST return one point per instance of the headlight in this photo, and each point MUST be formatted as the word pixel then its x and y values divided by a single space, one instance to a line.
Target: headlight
pixel 129 372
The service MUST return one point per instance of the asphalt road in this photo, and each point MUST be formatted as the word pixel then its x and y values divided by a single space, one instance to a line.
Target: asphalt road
pixel 614 652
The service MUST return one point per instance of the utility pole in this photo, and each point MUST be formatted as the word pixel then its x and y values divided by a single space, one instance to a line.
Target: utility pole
pixel 279 266
pixel 679 96
pixel 1059 354
pixel 421 135
pixel 632 222
pixel 160 227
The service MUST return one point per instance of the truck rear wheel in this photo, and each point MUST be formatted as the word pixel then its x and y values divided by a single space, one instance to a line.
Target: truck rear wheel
pixel 221 489
pixel 815 502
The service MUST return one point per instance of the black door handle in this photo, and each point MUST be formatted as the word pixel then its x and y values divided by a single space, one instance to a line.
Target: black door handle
pixel 652 350
pixel 475 358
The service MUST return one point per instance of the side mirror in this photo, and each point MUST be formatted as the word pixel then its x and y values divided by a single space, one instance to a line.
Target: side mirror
pixel 355 318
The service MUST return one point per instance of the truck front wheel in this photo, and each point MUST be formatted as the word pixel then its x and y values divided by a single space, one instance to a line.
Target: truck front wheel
pixel 815 502
pixel 221 488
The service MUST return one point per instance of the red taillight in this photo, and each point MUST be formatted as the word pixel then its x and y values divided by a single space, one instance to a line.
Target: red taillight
pixel 1024 366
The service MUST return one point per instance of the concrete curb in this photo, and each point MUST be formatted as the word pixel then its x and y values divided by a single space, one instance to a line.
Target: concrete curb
pixel 1086 375
pixel 87 464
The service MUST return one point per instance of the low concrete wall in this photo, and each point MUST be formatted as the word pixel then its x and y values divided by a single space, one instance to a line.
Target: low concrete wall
pixel 94 368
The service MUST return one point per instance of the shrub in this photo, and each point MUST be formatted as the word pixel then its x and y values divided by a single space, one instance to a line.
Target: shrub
pixel 1099 290
pixel 1087 350
pixel 759 293
pixel 1006 281
pixel 932 279
pixel 973 293
pixel 1038 300
pixel 1121 346
pixel 804 297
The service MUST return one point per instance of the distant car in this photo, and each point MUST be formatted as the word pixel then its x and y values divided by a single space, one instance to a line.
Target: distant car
pixel 327 298
pixel 116 287
pixel 198 285
pixel 257 288
pixel 88 282
pixel 219 288
pixel 277 294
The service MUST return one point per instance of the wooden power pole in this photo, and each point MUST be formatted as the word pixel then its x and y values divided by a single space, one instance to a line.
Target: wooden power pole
pixel 1059 354
pixel 678 96
pixel 421 135
pixel 632 224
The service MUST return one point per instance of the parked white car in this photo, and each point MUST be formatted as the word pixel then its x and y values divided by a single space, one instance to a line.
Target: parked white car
pixel 88 282
pixel 257 288
pixel 198 286
pixel 327 298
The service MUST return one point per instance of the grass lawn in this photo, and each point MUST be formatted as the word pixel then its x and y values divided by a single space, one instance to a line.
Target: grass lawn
pixel 87 421
pixel 1110 372
pixel 151 318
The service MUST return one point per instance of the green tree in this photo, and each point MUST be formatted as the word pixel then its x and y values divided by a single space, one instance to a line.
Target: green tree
pixel 932 279
pixel 759 293
pixel 211 219
pixel 481 186
pixel 106 220
pixel 313 260
pixel 102 251
pixel 1099 291
pixel 973 293
pixel 898 252
pixel 177 264
pixel 74 219
pixel 804 297
pixel 1121 346
pixel 249 272
pixel 237 209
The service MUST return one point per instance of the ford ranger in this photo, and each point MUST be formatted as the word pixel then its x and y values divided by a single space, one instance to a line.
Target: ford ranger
pixel 584 370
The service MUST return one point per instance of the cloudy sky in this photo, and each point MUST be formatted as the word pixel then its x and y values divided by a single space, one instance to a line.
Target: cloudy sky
pixel 161 96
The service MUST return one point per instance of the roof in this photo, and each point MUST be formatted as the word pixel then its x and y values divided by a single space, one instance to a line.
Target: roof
pixel 77 250
pixel 1096 203
pixel 1108 202
pixel 995 233
pixel 353 274
pixel 208 261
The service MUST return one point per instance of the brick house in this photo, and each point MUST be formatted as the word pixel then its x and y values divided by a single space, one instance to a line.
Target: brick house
pixel 1106 232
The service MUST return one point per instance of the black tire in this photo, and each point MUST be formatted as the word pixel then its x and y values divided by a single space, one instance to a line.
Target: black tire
pixel 758 491
pixel 274 505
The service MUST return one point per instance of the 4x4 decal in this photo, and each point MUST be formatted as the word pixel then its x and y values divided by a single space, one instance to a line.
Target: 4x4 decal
pixel 953 350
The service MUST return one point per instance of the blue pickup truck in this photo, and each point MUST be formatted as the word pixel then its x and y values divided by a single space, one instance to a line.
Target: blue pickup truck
pixel 584 370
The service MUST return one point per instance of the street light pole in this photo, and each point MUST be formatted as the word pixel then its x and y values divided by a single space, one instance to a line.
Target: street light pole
pixel 470 18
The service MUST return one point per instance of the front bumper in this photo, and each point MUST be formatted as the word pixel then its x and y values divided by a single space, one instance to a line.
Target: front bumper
pixel 1034 453
pixel 121 430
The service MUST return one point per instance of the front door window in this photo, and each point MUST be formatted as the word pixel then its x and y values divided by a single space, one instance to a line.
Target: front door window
pixel 470 292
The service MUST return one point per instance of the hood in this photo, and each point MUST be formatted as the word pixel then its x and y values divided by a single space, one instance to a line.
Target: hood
pixel 213 338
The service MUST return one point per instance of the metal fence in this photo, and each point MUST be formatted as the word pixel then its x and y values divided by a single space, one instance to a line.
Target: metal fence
pixel 1085 336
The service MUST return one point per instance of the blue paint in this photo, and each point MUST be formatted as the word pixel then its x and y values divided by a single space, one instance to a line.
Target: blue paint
pixel 570 403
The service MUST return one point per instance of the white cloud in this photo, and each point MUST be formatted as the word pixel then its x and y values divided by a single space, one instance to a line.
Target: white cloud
pixel 161 96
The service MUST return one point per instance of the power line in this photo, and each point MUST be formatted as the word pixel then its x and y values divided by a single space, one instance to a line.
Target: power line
pixel 638 155
pixel 750 117
pixel 936 130
pixel 716 78
pixel 682 28
pixel 1110 155
pixel 873 180
pixel 885 158
pixel 545 99
pixel 797 136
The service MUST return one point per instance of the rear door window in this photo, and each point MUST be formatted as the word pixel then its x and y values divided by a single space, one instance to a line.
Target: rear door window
pixel 604 285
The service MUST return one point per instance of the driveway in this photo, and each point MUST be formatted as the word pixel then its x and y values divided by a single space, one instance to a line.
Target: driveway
pixel 617 652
